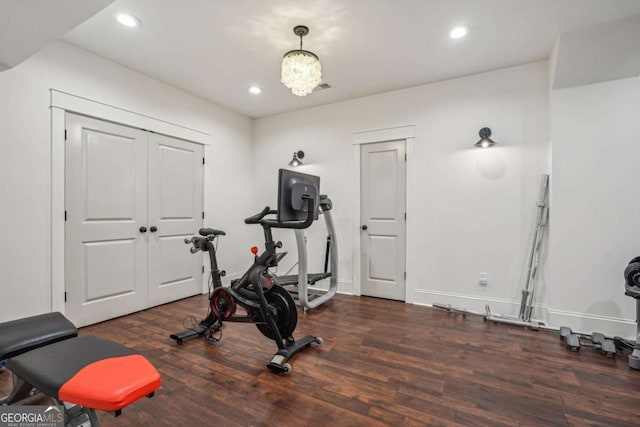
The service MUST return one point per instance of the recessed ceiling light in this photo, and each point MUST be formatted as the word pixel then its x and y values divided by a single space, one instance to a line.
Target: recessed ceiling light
pixel 458 32
pixel 255 90
pixel 128 20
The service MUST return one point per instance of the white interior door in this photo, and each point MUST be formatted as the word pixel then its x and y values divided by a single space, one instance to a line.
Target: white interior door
pixel 106 204
pixel 175 213
pixel 382 207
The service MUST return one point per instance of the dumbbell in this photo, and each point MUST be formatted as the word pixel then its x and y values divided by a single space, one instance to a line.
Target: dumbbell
pixel 571 340
pixel 606 346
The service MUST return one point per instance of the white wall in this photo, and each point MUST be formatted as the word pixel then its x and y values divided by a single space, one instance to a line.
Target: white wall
pixel 596 208
pixel 599 53
pixel 474 209
pixel 25 161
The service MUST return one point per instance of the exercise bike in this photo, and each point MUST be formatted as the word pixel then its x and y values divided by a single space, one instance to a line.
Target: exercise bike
pixel 267 304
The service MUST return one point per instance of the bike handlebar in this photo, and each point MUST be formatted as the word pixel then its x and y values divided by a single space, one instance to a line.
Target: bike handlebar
pixel 311 207
pixel 199 243
pixel 255 219
pixel 196 244
pixel 259 217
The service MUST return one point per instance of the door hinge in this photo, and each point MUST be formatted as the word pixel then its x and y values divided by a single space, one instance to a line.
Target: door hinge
pixel 65 215
pixel 405 216
pixel 65 297
pixel 203 269
pixel 65 134
pixel 202 214
pixel 405 275
pixel 405 157
pixel 203 160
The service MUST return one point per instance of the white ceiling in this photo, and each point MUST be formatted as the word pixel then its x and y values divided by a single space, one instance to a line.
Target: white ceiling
pixel 216 49
pixel 28 25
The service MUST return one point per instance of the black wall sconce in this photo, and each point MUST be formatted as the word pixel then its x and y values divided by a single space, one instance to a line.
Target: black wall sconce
pixel 297 158
pixel 485 141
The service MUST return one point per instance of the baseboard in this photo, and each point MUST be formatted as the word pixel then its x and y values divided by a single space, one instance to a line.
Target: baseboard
pixel 586 323
pixel 579 322
pixel 344 286
pixel 475 303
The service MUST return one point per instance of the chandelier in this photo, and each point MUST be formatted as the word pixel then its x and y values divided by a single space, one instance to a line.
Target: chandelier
pixel 301 69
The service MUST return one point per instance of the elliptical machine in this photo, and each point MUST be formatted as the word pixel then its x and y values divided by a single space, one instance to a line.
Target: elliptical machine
pixel 632 289
pixel 302 282
pixel 266 303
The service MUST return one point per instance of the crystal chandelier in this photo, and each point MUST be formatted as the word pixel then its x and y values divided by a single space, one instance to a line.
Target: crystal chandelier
pixel 301 69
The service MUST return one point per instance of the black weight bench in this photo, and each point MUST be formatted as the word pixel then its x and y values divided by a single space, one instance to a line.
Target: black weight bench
pixel 85 373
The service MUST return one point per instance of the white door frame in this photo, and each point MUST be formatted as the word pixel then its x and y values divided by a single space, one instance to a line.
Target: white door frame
pixel 406 133
pixel 62 102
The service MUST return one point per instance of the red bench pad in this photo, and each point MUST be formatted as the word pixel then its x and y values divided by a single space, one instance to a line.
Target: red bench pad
pixel 88 371
pixel 111 384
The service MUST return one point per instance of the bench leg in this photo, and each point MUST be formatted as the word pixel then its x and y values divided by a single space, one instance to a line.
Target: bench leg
pixel 21 390
pixel 78 416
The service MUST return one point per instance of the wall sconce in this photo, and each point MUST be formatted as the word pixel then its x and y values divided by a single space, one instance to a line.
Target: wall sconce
pixel 297 159
pixel 485 141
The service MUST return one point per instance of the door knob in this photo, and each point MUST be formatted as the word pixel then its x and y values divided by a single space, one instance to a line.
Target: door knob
pixel 364 227
pixel 153 229
pixel 143 229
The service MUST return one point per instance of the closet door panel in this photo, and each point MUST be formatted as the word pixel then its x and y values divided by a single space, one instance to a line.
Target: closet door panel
pixel 175 213
pixel 106 205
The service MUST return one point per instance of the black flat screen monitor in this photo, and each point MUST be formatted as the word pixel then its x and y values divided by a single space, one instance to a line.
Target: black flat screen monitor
pixel 293 189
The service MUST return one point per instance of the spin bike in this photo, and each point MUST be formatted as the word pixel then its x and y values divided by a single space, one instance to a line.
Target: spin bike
pixel 267 304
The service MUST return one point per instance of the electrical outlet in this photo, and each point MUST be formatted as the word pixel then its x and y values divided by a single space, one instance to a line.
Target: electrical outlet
pixel 483 279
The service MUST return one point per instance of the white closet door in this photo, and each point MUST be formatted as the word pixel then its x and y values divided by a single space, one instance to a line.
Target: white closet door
pixel 175 213
pixel 106 206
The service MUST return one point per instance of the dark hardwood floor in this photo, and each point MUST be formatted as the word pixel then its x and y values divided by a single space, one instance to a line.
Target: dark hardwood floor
pixel 383 363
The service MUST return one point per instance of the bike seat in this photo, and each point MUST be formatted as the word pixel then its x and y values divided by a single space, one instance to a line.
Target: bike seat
pixel 211 231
